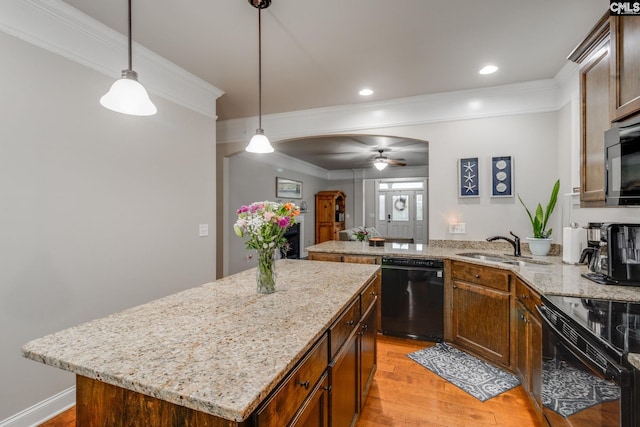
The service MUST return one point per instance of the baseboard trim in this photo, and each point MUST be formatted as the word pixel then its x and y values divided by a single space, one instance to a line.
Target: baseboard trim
pixel 42 411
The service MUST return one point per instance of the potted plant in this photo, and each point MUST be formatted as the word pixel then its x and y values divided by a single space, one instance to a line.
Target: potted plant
pixel 540 243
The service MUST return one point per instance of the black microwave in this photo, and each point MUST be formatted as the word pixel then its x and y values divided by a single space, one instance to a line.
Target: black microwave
pixel 622 160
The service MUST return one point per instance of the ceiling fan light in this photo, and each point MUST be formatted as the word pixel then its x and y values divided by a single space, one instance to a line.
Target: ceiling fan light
pixel 380 164
pixel 128 96
pixel 259 143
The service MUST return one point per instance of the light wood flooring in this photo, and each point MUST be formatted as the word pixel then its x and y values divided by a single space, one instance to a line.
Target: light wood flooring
pixel 404 394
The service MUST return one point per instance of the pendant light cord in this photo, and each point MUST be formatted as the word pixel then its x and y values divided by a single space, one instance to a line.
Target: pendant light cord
pixel 259 68
pixel 130 65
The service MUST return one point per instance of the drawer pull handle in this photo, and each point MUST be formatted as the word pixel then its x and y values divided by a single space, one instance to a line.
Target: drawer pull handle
pixel 350 322
pixel 455 287
pixel 477 276
pixel 373 294
pixel 305 384
pixel 524 296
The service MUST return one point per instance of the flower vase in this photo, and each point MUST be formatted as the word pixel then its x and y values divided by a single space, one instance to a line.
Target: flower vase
pixel 266 272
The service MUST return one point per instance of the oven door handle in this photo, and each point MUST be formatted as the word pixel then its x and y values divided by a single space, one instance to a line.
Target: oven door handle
pixel 611 371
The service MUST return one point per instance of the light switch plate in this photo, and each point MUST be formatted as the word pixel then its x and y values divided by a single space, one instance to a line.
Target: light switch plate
pixel 204 230
pixel 459 228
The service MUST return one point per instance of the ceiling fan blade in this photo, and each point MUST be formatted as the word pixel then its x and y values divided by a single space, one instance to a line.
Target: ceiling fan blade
pixel 396 162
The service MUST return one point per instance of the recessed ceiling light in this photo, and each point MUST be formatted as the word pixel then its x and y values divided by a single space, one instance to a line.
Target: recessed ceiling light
pixel 366 92
pixel 489 69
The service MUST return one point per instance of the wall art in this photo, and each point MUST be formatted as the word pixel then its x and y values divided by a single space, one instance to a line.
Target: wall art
pixel 288 188
pixel 502 176
pixel 468 182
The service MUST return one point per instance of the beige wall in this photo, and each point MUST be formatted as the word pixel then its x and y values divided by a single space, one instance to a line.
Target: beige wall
pixel 100 211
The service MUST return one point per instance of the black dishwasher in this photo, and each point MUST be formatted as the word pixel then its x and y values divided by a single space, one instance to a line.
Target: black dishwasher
pixel 412 298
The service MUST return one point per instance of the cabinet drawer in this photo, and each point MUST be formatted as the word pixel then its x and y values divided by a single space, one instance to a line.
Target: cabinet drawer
pixel 527 296
pixel 320 256
pixel 359 259
pixel 280 408
pixel 368 296
pixel 342 328
pixel 485 276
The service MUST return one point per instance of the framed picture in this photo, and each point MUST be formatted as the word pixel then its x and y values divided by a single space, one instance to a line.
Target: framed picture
pixel 288 188
pixel 502 176
pixel 468 182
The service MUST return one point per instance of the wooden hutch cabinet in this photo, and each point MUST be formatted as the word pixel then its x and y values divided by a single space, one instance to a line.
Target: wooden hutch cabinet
pixel 330 215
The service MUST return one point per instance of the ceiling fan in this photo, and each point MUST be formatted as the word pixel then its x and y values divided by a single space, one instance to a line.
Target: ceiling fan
pixel 380 162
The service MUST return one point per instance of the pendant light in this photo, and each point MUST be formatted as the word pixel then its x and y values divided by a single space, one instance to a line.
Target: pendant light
pixel 127 95
pixel 259 142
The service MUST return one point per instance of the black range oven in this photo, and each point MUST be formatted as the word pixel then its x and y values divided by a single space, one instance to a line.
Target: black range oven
pixel 586 380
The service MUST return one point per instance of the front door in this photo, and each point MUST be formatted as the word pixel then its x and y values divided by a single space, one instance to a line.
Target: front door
pixel 401 213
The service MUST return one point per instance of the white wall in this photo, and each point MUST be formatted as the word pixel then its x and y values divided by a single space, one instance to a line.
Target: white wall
pixel 251 179
pixel 100 211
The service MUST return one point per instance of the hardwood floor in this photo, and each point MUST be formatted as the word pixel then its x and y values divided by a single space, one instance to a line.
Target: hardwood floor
pixel 404 394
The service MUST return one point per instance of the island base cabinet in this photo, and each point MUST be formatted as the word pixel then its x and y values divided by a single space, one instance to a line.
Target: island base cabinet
pixel 344 384
pixel 315 412
pixel 99 404
pixel 368 352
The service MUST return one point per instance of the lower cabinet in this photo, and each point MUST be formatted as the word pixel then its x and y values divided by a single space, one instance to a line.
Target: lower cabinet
pixel 368 352
pixel 315 413
pixel 353 366
pixel 529 343
pixel 481 306
pixel 343 372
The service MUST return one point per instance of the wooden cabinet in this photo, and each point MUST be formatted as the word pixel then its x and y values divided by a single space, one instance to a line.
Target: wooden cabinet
pixel 330 215
pixel 315 413
pixel 480 311
pixel 368 347
pixel 529 343
pixel 625 66
pixel 609 59
pixel 295 390
pixel 353 357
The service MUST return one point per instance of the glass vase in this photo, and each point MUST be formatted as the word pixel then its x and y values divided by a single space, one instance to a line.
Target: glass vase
pixel 266 271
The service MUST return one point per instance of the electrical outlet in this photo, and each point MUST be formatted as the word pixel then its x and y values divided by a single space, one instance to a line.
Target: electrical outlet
pixel 204 230
pixel 459 228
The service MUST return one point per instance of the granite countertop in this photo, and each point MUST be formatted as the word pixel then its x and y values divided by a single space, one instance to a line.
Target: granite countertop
pixel 220 348
pixel 553 278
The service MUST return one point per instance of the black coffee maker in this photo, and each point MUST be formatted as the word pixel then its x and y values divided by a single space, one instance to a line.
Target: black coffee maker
pixel 591 254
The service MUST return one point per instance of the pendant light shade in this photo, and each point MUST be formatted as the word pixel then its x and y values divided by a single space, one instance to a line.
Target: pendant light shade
pixel 127 95
pixel 259 142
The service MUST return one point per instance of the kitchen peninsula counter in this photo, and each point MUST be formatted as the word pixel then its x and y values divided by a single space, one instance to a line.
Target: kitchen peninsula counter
pixel 553 278
pixel 220 348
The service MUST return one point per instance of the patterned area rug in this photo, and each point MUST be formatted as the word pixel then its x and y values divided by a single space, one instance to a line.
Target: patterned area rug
pixel 567 390
pixel 480 379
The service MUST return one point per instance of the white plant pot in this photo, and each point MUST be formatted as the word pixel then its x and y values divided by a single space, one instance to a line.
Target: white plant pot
pixel 539 246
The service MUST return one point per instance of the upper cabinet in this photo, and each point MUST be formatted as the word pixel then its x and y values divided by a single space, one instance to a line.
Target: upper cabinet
pixel 609 59
pixel 625 66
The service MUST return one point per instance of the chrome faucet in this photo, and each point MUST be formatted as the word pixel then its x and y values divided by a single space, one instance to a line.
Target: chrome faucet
pixel 515 242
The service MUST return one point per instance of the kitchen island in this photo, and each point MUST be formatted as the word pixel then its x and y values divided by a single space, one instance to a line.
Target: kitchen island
pixel 219 349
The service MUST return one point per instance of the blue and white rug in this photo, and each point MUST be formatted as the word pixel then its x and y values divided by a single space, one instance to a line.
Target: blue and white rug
pixel 567 390
pixel 478 378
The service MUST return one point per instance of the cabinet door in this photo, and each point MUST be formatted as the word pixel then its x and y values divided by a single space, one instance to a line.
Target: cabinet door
pixel 344 384
pixel 325 256
pixel 481 320
pixel 522 365
pixel 315 411
pixel 368 352
pixel 625 66
pixel 594 92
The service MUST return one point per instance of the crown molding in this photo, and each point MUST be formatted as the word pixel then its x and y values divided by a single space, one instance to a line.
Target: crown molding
pixel 59 28
pixel 520 98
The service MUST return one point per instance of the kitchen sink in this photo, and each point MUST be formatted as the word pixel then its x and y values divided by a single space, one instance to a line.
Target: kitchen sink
pixel 503 259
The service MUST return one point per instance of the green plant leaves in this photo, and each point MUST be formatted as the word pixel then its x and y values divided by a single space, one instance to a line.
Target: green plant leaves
pixel 539 222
